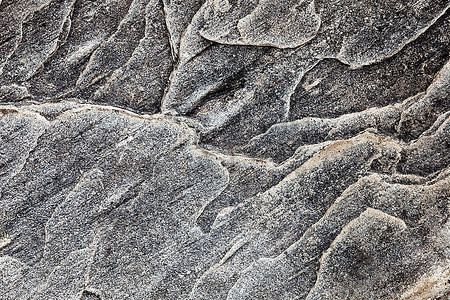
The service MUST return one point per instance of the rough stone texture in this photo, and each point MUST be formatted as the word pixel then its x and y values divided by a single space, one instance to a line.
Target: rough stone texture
pixel 224 149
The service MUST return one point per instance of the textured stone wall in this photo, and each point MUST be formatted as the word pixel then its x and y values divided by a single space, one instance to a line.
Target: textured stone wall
pixel 224 149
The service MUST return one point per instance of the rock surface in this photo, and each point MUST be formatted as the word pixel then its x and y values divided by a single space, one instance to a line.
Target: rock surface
pixel 224 149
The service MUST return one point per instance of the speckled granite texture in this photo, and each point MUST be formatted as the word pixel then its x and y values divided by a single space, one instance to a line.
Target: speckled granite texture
pixel 224 149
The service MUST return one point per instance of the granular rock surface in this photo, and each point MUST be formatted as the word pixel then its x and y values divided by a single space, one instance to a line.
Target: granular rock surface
pixel 224 149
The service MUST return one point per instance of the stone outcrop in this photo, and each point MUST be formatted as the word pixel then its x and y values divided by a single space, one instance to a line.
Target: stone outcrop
pixel 224 149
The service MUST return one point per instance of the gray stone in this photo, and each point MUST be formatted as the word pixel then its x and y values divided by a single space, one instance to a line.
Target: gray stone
pixel 224 149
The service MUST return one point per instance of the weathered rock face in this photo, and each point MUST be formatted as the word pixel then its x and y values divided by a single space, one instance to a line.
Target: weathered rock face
pixel 224 149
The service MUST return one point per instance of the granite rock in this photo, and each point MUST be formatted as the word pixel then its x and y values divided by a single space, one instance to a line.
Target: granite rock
pixel 224 149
